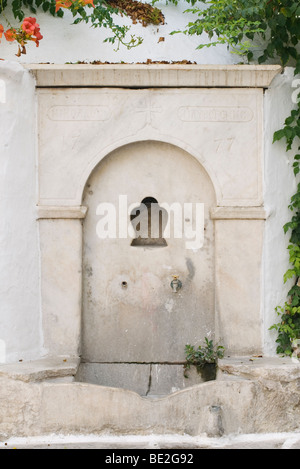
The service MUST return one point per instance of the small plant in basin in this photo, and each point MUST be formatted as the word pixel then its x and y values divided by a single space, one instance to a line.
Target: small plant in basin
pixel 204 358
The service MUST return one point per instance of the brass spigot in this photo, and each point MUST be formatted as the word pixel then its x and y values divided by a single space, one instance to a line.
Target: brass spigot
pixel 176 284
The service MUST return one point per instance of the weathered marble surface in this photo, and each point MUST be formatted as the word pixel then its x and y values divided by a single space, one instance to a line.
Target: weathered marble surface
pixel 267 400
pixel 219 128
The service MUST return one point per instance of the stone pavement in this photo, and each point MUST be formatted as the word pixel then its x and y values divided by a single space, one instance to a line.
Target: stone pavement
pixel 154 442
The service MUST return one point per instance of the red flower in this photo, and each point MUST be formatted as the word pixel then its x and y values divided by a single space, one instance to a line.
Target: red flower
pixel 29 31
pixel 38 37
pixel 29 25
pixel 32 30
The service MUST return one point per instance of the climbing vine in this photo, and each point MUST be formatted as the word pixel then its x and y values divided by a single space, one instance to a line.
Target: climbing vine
pixel 288 327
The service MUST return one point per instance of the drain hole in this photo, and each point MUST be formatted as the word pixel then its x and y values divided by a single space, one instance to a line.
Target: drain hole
pixel 124 284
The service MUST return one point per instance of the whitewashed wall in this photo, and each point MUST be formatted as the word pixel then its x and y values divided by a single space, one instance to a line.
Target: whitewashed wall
pixel 20 321
pixel 280 185
pixel 19 260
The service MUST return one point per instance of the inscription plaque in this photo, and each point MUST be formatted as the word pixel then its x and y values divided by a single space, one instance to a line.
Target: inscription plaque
pixel 79 113
pixel 215 114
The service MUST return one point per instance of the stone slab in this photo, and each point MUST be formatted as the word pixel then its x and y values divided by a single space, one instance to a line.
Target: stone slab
pixel 239 247
pixel 167 379
pixel 44 212
pixel 40 370
pixel 61 285
pixel 217 409
pixel 280 369
pixel 134 377
pixel 140 75
pixel 239 213
pixel 152 380
pixel 248 441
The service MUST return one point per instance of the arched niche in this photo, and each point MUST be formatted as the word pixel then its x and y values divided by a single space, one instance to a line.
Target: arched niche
pixel 130 311
pixel 152 136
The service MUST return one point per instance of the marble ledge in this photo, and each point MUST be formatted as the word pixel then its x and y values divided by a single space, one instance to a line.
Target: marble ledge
pixel 154 75
pixel 217 213
pixel 239 213
pixel 45 212
pixel 42 369
pixel 257 367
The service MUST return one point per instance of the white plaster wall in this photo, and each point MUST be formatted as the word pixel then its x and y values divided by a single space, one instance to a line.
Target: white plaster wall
pixel 64 42
pixel 280 185
pixel 19 282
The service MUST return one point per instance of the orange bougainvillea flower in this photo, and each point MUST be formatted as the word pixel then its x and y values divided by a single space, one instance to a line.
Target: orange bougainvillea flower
pixel 1 30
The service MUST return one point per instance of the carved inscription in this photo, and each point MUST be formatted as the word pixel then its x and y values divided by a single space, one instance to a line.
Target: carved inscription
pixel 215 114
pixel 224 145
pixel 149 111
pixel 79 113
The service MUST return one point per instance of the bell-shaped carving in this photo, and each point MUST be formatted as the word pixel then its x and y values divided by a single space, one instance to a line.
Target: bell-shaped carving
pixel 149 221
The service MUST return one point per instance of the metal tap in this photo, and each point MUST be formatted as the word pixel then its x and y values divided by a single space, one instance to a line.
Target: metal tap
pixel 176 284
